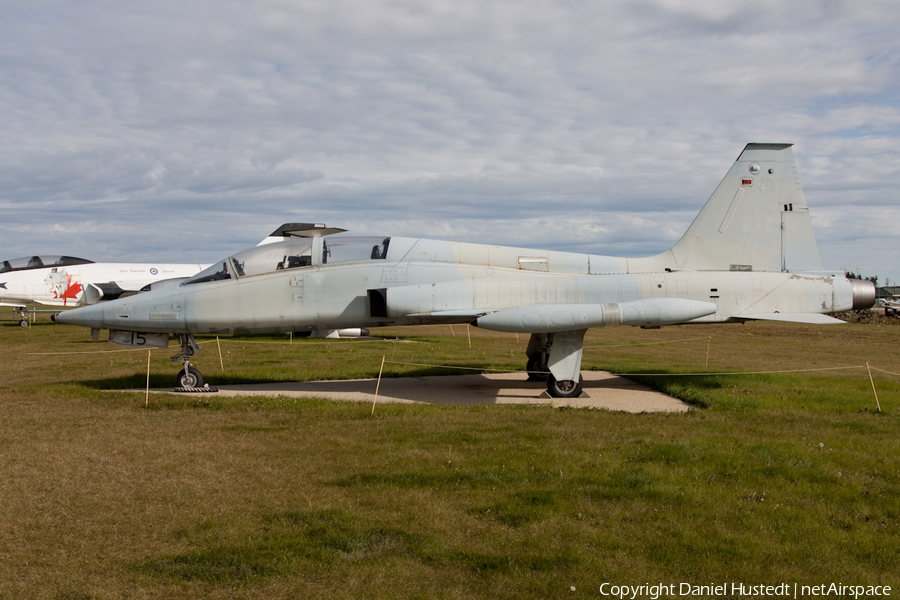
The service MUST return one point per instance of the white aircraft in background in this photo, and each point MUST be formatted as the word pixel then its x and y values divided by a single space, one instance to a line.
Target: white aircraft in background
pixel 71 281
pixel 68 281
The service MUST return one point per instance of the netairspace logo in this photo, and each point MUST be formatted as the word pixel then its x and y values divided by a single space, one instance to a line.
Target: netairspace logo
pixel 783 590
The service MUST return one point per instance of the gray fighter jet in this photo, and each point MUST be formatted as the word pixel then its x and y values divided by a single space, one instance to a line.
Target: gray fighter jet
pixel 750 254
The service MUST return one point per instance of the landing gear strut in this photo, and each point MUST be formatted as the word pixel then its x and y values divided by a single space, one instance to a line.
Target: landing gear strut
pixel 556 359
pixel 23 316
pixel 189 377
pixel 538 353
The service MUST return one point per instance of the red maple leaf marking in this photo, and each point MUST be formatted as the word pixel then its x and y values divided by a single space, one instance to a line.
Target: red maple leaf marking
pixel 72 290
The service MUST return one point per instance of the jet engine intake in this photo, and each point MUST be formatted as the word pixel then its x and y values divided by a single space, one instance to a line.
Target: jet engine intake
pixel 95 292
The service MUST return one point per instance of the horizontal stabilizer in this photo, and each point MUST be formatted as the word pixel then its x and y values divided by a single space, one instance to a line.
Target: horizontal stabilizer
pixel 811 318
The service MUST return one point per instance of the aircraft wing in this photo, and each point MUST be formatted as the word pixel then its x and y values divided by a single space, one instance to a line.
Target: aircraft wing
pixel 456 314
pixel 811 318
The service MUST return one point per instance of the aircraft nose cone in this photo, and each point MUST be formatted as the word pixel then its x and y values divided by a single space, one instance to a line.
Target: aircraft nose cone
pixel 87 316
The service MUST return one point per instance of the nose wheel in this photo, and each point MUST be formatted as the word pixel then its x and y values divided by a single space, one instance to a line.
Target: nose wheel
pixel 189 378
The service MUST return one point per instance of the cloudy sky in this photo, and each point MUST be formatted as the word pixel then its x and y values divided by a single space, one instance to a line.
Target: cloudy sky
pixel 183 131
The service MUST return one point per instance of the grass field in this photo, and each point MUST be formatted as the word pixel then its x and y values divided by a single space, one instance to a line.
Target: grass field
pixel 784 472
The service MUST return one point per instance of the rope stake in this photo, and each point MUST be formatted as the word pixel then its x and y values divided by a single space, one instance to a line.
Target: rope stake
pixel 874 391
pixel 377 385
pixel 147 392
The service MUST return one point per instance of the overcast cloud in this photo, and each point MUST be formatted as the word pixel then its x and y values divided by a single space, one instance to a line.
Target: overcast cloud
pixel 185 131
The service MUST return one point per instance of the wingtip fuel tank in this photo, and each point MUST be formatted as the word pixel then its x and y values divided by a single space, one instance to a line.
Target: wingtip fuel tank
pixel 565 317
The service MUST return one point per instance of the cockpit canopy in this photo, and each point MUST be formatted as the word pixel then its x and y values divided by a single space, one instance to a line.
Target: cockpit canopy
pixel 293 254
pixel 39 262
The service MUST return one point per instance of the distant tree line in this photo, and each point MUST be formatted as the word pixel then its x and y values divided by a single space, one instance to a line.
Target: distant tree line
pixel 852 275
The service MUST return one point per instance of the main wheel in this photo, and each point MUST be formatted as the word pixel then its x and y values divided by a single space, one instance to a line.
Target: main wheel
pixel 23 322
pixel 192 378
pixel 537 371
pixel 566 388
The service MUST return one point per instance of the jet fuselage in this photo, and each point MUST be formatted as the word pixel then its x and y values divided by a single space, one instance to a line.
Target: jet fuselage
pixel 429 281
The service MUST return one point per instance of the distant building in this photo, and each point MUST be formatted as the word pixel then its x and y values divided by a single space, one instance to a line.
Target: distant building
pixel 890 292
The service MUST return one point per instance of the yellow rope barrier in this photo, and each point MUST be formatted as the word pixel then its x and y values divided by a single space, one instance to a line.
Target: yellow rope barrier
pixel 888 372
pixel 635 344
pixel 495 370
pixel 139 349
pixel 409 364
pixel 203 342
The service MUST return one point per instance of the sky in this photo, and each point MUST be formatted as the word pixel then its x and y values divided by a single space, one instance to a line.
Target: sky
pixel 185 131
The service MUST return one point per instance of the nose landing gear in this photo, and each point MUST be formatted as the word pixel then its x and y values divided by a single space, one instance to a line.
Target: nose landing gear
pixel 189 379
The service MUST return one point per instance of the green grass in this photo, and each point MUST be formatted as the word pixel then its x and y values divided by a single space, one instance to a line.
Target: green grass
pixel 772 477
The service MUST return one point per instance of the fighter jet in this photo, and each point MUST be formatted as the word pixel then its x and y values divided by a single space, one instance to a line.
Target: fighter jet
pixel 71 281
pixel 750 254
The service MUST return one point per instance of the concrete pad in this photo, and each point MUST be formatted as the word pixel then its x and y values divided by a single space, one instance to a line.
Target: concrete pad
pixel 603 390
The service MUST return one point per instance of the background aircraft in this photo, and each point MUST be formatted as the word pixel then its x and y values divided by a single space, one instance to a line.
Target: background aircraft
pixel 71 281
pixel 749 254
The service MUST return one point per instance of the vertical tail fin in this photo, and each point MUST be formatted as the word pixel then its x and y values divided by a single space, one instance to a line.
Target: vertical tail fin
pixel 757 219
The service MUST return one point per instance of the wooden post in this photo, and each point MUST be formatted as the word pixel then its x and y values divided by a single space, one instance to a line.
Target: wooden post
pixel 219 346
pixel 874 391
pixel 147 391
pixel 377 385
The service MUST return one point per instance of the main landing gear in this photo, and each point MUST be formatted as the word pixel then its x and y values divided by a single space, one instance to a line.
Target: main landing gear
pixel 23 315
pixel 556 359
pixel 567 388
pixel 189 378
